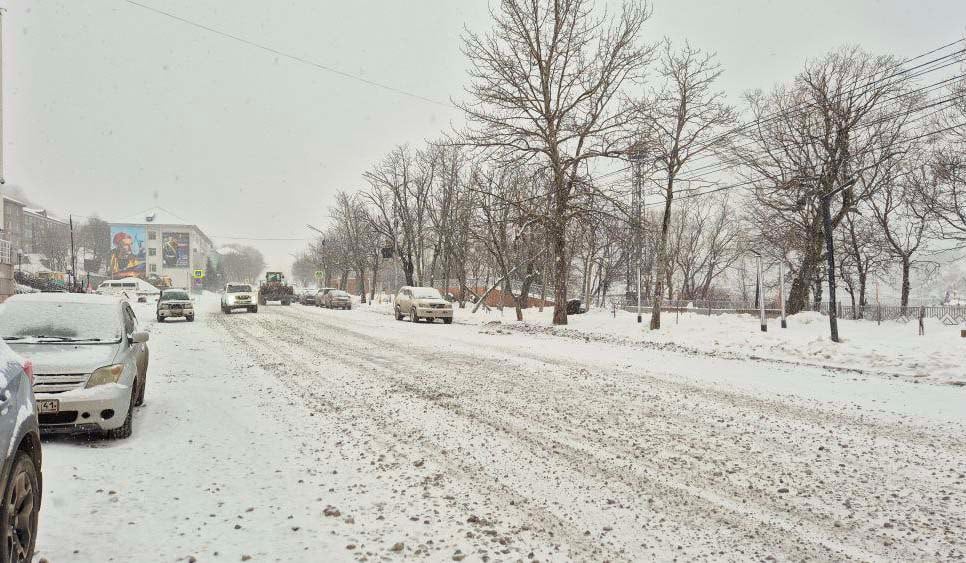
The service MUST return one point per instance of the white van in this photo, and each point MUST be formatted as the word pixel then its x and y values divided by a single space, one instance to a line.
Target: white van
pixel 128 288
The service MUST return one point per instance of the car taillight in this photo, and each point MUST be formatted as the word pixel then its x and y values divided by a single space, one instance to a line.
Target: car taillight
pixel 28 368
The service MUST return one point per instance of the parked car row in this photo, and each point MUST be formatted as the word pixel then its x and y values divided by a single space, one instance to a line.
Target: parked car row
pixel 328 297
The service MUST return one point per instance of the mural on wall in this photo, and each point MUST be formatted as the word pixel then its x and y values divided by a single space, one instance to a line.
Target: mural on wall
pixel 174 250
pixel 127 251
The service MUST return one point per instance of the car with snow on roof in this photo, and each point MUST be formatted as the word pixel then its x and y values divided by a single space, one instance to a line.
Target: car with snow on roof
pixel 89 358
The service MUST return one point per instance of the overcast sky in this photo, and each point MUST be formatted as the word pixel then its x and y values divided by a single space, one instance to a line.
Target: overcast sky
pixel 109 107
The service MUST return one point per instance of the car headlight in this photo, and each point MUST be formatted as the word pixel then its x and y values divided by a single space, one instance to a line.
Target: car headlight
pixel 105 375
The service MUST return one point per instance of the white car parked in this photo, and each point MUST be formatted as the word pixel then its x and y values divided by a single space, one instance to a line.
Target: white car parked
pixel 239 296
pixel 90 360
pixel 422 303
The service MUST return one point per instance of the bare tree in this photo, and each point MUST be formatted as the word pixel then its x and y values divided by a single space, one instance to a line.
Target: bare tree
pixel 545 82
pixel 863 254
pixel 686 119
pixel 902 220
pixel 399 191
pixel 844 116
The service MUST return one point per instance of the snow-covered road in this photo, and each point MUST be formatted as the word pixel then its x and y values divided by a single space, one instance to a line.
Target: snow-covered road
pixel 307 434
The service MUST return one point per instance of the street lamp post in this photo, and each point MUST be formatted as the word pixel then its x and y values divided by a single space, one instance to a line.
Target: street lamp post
pixel 825 204
pixel 781 292
pixel 636 156
pixel 761 292
pixel 830 254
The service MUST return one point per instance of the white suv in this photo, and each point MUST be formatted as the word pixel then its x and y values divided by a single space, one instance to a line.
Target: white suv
pixel 239 296
pixel 422 303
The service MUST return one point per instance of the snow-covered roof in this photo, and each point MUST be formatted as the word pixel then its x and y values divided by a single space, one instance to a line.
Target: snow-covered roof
pixel 156 216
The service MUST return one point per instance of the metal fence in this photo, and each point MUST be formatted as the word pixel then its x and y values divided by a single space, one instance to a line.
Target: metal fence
pixel 698 306
pixel 948 314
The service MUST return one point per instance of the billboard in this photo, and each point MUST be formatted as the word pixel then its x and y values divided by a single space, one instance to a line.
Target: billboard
pixel 127 251
pixel 174 250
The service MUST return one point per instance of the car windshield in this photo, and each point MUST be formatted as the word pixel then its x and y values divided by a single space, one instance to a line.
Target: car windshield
pixel 59 321
pixel 339 294
pixel 239 288
pixel 426 293
pixel 174 296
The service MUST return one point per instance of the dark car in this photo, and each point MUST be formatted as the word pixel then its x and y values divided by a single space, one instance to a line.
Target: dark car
pixel 20 476
pixel 175 303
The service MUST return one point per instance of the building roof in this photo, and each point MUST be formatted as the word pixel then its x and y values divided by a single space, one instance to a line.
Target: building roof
pixel 155 216
pixel 159 216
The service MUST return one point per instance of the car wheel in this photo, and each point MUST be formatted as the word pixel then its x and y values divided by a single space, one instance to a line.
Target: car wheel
pixel 20 510
pixel 448 320
pixel 160 319
pixel 399 315
pixel 413 317
pixel 190 318
pixel 254 309
pixel 124 430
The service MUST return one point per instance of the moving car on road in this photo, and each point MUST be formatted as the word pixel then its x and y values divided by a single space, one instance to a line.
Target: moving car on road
pixel 308 296
pixel 239 296
pixel 175 303
pixel 422 303
pixel 337 299
pixel 90 360
pixel 20 477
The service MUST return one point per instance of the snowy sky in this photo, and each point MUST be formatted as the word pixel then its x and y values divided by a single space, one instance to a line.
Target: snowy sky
pixel 108 106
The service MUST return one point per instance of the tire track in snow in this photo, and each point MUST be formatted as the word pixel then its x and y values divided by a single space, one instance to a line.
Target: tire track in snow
pixel 557 448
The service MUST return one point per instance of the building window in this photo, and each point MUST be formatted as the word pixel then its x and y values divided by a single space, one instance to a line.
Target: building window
pixel 154 267
pixel 152 252
pixel 152 235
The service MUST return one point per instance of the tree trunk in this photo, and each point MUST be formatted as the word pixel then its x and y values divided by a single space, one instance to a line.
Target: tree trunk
pixel 408 268
pixel 561 269
pixel 906 267
pixel 375 279
pixel 662 266
pixel 798 293
pixel 362 285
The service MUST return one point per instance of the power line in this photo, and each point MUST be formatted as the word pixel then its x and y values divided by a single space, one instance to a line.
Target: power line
pixel 718 167
pixel 290 56
pixel 759 179
pixel 799 109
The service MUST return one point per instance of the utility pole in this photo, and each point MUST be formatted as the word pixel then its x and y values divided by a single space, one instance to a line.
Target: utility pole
pixel 760 291
pixel 781 291
pixel 636 157
pixel 73 256
pixel 2 177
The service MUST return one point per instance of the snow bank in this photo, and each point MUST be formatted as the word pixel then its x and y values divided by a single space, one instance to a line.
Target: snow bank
pixel 891 348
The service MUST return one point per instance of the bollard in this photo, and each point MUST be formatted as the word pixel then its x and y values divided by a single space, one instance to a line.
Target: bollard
pixel 962 333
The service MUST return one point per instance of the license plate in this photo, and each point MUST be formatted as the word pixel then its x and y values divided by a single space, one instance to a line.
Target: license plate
pixel 48 406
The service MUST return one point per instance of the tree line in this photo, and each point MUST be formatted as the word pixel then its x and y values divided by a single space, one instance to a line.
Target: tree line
pixel 590 153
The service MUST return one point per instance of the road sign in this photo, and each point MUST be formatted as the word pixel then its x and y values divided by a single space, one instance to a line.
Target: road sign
pixel 198 274
pixel 319 275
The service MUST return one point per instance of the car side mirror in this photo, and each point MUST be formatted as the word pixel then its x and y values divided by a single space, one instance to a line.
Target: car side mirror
pixel 139 337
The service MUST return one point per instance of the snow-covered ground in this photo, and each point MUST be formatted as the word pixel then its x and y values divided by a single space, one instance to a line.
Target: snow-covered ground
pixel 892 349
pixel 307 434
